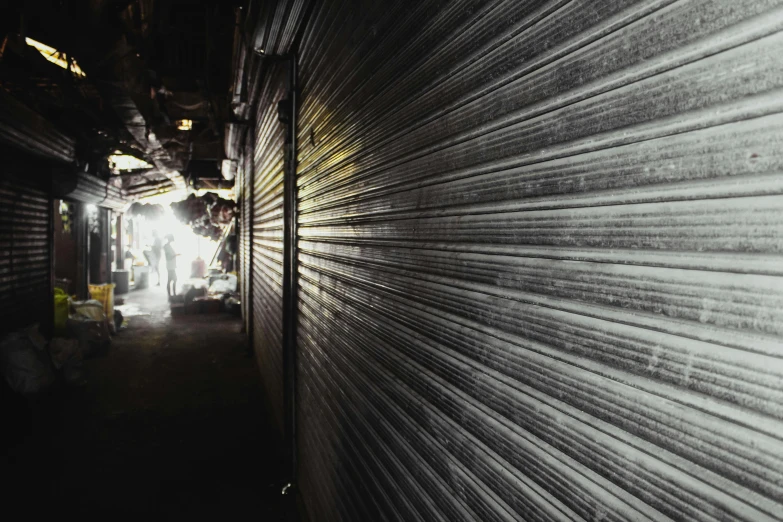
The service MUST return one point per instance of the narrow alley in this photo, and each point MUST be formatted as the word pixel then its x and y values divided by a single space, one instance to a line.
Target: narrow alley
pixel 169 422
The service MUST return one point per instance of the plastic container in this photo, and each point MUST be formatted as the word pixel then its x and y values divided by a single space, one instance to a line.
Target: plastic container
pixel 122 281
pixel 198 268
pixel 104 294
pixel 141 277
pixel 61 310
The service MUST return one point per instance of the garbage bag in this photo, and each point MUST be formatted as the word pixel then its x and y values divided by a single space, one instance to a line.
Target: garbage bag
pixel 224 284
pixel 64 350
pixel 92 310
pixel 24 362
pixel 104 294
pixel 93 336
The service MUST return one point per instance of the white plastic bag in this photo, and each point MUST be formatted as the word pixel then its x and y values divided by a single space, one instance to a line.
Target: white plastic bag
pixel 225 284
pixel 25 363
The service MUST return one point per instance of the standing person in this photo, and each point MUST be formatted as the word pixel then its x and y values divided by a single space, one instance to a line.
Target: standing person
pixel 128 255
pixel 157 252
pixel 171 265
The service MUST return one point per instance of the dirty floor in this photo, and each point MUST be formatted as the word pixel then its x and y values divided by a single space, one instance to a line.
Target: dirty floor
pixel 171 422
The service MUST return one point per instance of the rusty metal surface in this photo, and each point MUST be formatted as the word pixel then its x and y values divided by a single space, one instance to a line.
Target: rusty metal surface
pixel 267 236
pixel 25 257
pixel 540 260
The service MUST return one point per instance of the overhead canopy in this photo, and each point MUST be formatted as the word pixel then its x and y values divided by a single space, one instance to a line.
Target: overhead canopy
pixel 24 128
pixel 90 189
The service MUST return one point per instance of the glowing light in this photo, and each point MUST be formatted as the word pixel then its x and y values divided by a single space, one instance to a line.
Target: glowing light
pixel 223 193
pixel 56 57
pixel 92 209
pixel 184 125
pixel 186 243
pixel 119 161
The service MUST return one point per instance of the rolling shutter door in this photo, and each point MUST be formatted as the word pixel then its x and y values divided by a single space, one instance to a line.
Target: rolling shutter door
pixel 243 181
pixel 267 236
pixel 25 257
pixel 25 129
pixel 91 189
pixel 539 260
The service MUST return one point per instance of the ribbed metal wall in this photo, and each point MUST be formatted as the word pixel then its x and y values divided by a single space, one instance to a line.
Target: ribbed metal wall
pixel 540 260
pixel 243 184
pixel 91 189
pixel 275 24
pixel 25 256
pixel 267 236
pixel 23 128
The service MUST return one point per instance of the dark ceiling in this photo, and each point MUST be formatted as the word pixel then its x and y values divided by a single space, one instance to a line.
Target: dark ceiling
pixel 147 65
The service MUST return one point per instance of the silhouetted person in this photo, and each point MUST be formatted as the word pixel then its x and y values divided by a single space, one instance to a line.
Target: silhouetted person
pixel 157 252
pixel 171 265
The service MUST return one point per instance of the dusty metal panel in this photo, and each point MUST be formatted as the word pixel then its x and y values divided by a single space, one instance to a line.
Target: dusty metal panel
pixel 25 129
pixel 267 235
pixel 244 196
pixel 25 254
pixel 275 25
pixel 91 189
pixel 540 271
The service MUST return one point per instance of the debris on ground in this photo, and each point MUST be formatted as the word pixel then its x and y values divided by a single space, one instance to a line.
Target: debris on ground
pixel 25 363
pixel 223 283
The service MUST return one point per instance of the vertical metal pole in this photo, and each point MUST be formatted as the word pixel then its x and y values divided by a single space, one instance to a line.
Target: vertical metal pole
pixel 82 250
pixel 290 283
pixel 106 223
pixel 49 324
pixel 119 245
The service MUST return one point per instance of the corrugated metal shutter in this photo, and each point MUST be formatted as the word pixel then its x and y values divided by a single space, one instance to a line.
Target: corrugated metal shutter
pixel 23 128
pixel 540 260
pixel 25 257
pixel 267 236
pixel 242 182
pixel 91 189
pixel 275 24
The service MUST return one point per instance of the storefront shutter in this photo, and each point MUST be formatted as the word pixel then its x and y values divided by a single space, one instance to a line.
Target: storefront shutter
pixel 540 260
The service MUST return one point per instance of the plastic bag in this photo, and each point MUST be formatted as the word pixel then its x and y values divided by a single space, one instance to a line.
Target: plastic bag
pixel 63 350
pixel 223 285
pixel 24 362
pixel 93 336
pixel 92 310
pixel 104 294
pixel 67 357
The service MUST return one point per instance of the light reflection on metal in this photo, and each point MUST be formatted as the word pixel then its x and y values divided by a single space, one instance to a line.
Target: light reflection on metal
pixel 499 282
pixel 120 162
pixel 56 57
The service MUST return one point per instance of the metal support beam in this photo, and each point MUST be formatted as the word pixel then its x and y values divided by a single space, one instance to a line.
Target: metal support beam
pixel 119 247
pixel 49 323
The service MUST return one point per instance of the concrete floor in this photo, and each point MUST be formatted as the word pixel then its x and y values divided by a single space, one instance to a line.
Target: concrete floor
pixel 171 421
